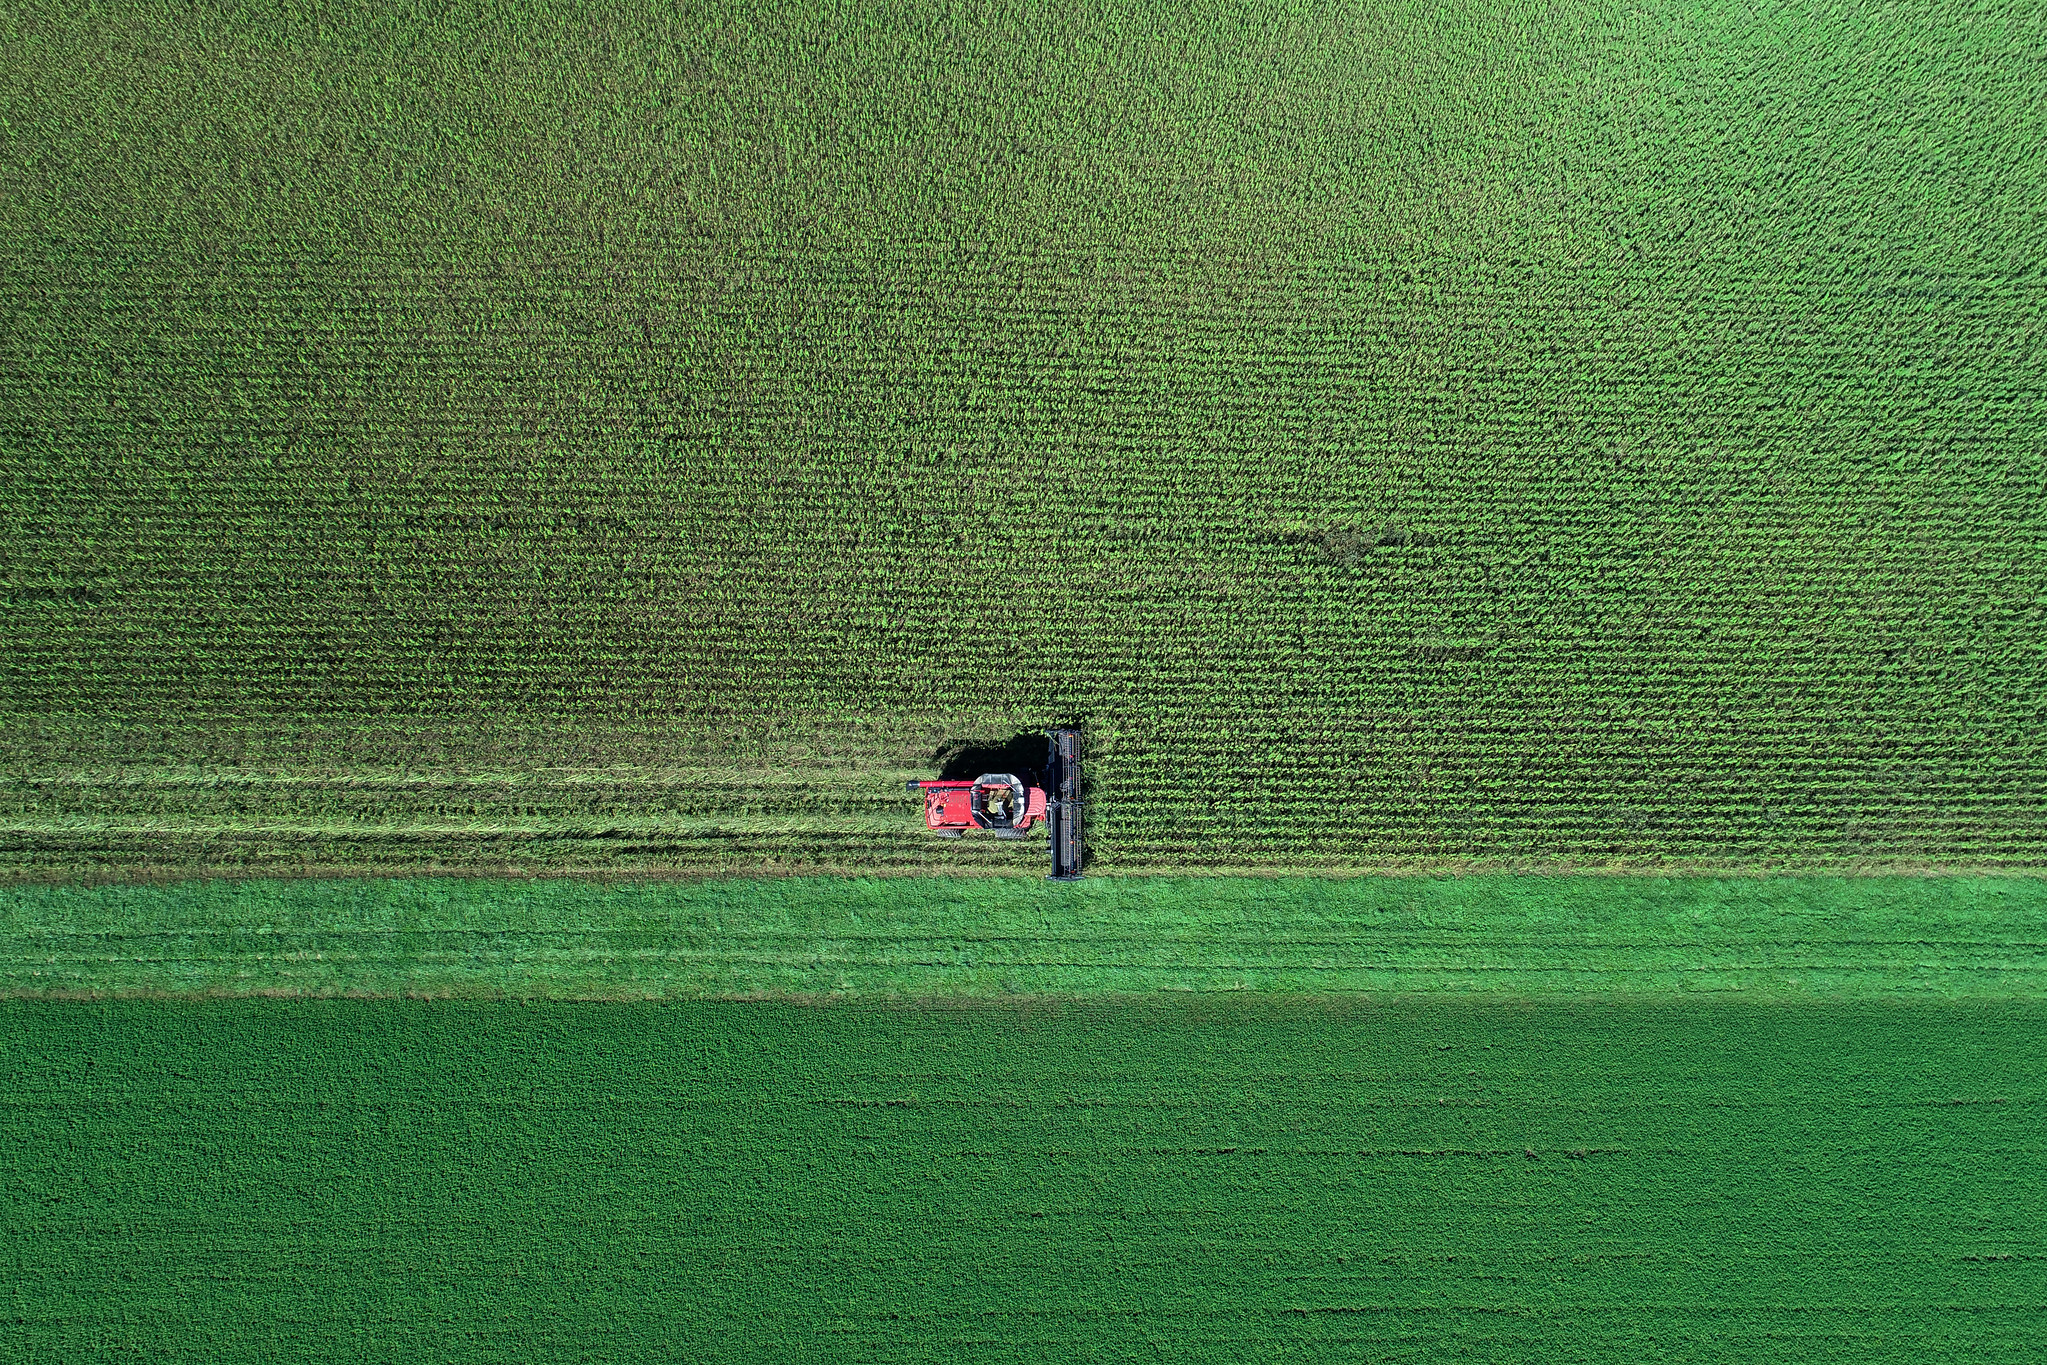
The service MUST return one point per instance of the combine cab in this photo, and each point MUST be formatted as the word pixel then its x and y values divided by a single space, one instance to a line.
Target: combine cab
pixel 1008 807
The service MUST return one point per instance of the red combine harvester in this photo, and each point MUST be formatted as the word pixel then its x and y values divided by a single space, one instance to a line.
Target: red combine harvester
pixel 1007 806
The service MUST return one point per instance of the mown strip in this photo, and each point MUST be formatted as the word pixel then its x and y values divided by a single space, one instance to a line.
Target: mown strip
pixel 1524 937
pixel 1239 1179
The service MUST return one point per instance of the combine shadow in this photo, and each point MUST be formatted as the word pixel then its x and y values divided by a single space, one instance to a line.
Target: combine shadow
pixel 965 760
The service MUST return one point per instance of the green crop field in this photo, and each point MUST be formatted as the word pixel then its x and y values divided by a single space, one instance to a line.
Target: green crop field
pixel 1408 437
pixel 267 1180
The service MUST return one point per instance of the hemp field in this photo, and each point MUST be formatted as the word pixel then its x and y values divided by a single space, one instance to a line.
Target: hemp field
pixel 1408 437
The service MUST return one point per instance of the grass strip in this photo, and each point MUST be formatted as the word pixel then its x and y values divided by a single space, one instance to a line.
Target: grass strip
pixel 1523 937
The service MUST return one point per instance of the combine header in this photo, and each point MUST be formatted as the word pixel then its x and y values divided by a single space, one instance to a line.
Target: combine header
pixel 1007 806
pixel 1063 810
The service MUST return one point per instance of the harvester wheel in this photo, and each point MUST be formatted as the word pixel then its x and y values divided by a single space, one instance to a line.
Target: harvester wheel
pixel 950 833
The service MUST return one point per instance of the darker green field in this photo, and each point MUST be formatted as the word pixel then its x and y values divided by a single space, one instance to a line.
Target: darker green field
pixel 1250 1180
pixel 1409 437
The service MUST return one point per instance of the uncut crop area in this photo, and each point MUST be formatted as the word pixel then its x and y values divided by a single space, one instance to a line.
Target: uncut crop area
pixel 1405 437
